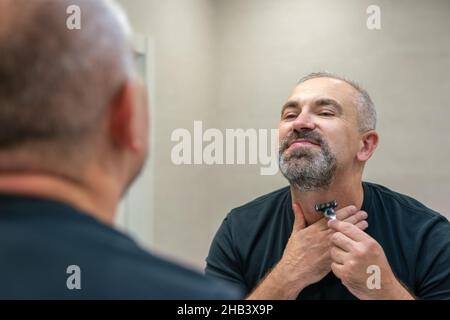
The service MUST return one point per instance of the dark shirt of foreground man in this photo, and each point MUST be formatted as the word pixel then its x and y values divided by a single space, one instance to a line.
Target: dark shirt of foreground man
pixel 73 138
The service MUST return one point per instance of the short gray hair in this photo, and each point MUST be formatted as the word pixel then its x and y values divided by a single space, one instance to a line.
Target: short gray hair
pixel 367 116
pixel 56 83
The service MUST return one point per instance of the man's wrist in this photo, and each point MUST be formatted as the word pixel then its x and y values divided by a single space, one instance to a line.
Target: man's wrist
pixel 279 284
pixel 396 291
pixel 400 292
pixel 291 279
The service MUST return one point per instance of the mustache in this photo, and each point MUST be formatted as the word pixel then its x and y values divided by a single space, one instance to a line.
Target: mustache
pixel 312 136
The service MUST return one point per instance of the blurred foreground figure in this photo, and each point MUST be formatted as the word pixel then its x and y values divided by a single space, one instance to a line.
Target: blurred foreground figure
pixel 73 137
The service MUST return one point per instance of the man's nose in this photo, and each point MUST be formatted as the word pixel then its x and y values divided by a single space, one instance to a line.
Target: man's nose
pixel 303 121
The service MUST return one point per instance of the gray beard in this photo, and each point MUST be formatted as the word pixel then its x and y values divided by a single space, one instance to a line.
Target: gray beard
pixel 308 170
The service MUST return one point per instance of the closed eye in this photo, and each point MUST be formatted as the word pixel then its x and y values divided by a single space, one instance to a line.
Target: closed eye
pixel 290 116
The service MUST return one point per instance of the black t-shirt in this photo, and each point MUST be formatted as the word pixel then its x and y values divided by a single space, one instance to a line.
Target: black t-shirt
pixel 40 239
pixel 416 240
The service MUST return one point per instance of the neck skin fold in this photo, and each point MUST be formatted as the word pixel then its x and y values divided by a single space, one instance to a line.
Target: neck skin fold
pixel 96 198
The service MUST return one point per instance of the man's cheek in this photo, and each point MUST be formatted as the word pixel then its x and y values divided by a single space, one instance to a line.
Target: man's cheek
pixel 341 153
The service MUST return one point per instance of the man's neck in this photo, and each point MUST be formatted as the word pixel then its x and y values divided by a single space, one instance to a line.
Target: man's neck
pixel 76 194
pixel 345 192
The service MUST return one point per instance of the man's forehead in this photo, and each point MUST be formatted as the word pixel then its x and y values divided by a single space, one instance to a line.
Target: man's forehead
pixel 323 87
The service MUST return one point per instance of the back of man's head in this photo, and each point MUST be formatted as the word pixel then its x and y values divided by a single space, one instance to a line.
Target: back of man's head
pixel 57 82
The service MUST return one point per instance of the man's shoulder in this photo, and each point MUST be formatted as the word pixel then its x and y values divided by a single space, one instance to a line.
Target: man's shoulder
pixel 112 265
pixel 124 269
pixel 148 276
pixel 401 203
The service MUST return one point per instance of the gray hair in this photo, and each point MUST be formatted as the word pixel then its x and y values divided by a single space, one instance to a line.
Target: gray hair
pixel 367 116
pixel 56 83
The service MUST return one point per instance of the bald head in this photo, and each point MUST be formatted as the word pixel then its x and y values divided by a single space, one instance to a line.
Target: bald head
pixel 56 82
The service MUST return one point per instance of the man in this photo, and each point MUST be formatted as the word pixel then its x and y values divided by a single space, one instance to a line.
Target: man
pixel 383 245
pixel 73 136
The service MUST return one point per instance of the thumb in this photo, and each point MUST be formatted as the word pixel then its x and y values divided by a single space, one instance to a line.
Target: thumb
pixel 299 218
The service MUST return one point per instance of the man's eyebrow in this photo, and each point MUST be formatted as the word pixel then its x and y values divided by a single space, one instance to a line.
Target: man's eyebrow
pixel 289 104
pixel 328 101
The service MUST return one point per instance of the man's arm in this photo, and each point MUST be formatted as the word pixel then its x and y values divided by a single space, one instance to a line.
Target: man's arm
pixel 278 285
pixel 433 261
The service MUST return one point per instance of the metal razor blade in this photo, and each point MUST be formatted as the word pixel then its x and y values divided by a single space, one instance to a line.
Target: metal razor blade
pixel 327 209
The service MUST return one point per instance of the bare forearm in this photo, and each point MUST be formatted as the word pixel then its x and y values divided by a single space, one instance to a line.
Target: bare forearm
pixel 277 286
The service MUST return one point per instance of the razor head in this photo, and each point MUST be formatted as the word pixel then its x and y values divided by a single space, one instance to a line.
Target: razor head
pixel 327 209
pixel 323 207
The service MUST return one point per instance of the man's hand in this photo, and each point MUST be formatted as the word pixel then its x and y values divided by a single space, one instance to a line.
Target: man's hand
pixel 306 258
pixel 307 255
pixel 353 252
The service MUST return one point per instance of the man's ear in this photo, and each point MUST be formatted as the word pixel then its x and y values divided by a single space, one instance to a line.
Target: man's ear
pixel 368 144
pixel 122 117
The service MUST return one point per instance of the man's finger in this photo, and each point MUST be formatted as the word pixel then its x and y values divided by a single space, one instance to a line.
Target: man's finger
pixel 338 255
pixel 337 269
pixel 299 218
pixel 356 217
pixel 341 241
pixel 346 212
pixel 362 225
pixel 321 224
pixel 324 223
pixel 348 229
